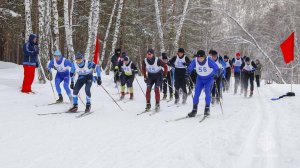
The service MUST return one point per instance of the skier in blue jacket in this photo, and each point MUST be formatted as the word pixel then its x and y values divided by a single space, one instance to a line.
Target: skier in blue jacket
pixel 62 66
pixel 84 69
pixel 206 69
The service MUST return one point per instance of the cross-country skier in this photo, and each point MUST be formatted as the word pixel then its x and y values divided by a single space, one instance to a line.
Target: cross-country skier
pixel 127 73
pixel 62 66
pixel 216 87
pixel 115 60
pixel 206 70
pixel 237 63
pixel 154 71
pixel 167 83
pixel 228 67
pixel 258 72
pixel 248 69
pixel 84 69
pixel 180 63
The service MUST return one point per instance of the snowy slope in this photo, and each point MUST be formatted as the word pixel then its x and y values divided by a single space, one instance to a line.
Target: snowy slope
pixel 251 133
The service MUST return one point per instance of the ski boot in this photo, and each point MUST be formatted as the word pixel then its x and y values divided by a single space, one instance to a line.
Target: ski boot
pixel 194 111
pixel 87 108
pixel 165 97
pixel 148 107
pixel 206 111
pixel 122 95
pixel 251 93
pixel 157 107
pixel 60 99
pixel 131 96
pixel 73 109
pixel 184 97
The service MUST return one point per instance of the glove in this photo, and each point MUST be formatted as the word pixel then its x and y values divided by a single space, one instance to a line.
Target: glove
pixel 116 67
pixel 145 79
pixel 36 64
pixel 215 76
pixel 99 82
pixel 72 85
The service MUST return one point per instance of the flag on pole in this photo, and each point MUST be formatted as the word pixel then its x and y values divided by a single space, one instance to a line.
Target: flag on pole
pixel 96 53
pixel 287 49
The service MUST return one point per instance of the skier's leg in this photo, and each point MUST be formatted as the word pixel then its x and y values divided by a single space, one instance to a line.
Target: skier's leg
pixel 31 76
pixel 198 88
pixel 130 86
pixel 251 82
pixel 88 85
pixel 25 85
pixel 207 88
pixel 158 82
pixel 57 82
pixel 176 88
pixel 78 85
pixel 150 83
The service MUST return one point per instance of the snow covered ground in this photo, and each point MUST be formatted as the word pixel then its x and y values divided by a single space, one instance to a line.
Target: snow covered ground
pixel 252 133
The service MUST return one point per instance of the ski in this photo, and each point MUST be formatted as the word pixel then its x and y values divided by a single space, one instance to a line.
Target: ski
pixel 56 103
pixel 144 112
pixel 59 113
pixel 182 118
pixel 203 118
pixel 155 112
pixel 84 114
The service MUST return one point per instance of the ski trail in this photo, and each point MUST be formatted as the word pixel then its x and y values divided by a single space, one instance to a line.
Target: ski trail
pixel 260 147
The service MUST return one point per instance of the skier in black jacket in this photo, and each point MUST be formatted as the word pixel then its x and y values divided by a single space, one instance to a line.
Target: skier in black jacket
pixel 248 68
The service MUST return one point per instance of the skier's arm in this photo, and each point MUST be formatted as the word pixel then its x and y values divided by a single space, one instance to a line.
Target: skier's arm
pixel 27 50
pixel 187 61
pixel 172 61
pixel 50 65
pixel 164 65
pixel 213 65
pixel 144 69
pixel 134 68
pixel 191 67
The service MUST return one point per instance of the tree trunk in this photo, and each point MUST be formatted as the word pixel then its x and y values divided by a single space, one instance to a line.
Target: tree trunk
pixel 55 25
pixel 116 33
pixel 178 31
pixel 107 31
pixel 68 29
pixel 28 24
pixel 159 27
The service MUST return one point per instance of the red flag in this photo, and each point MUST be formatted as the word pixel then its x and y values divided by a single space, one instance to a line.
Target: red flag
pixel 96 53
pixel 287 49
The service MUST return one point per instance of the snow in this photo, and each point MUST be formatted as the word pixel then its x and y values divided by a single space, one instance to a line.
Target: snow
pixel 254 132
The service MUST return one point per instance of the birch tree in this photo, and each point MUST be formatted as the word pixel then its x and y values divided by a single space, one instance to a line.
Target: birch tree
pixel 28 24
pixel 178 30
pixel 42 40
pixel 159 27
pixel 116 33
pixel 92 28
pixel 55 25
pixel 107 31
pixel 68 30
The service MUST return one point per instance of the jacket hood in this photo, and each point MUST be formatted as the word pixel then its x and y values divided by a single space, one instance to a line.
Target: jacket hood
pixel 31 37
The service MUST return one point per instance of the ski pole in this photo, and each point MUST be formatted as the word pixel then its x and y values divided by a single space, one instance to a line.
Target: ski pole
pixel 112 98
pixel 219 97
pixel 140 85
pixel 193 84
pixel 42 69
pixel 80 99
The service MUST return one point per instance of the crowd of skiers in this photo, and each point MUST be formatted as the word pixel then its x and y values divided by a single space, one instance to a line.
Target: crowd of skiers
pixel 210 73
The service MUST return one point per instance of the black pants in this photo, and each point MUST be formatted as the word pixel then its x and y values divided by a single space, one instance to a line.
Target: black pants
pixel 247 77
pixel 257 79
pixel 168 84
pixel 83 79
pixel 216 88
pixel 128 80
pixel 116 76
pixel 237 80
pixel 153 79
pixel 227 79
pixel 180 82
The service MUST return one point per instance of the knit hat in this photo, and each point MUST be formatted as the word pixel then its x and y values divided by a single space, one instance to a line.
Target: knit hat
pixel 247 59
pixel 237 54
pixel 200 53
pixel 150 51
pixel 164 56
pixel 57 53
pixel 181 50
pixel 226 57
pixel 78 56
pixel 126 58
